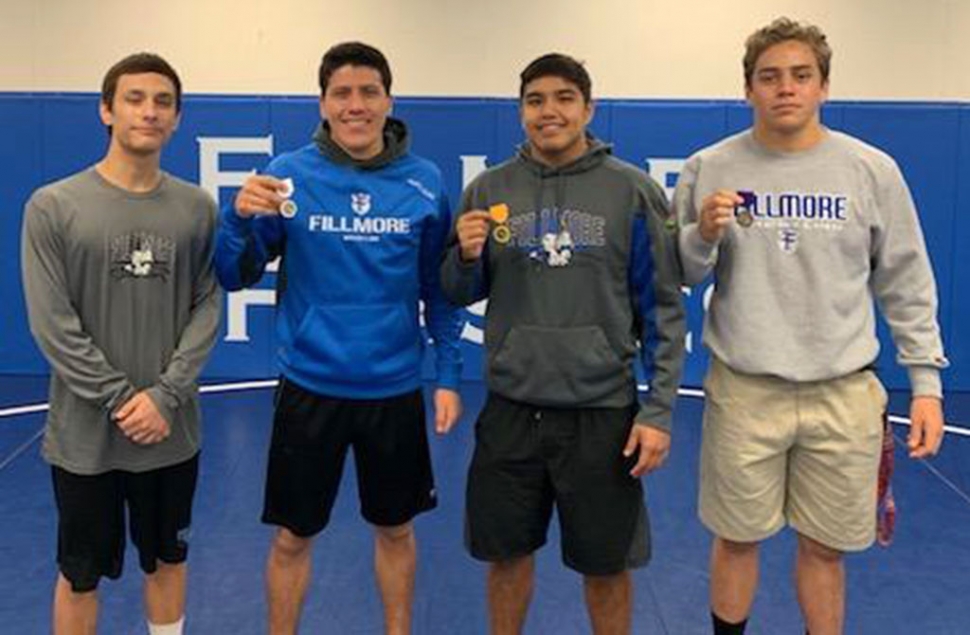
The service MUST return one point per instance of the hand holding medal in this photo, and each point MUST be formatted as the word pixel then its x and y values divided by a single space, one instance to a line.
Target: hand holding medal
pixel 472 229
pixel 717 212
pixel 263 195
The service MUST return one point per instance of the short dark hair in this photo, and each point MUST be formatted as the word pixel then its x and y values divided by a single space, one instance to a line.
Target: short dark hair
pixel 135 64
pixel 785 30
pixel 557 65
pixel 354 54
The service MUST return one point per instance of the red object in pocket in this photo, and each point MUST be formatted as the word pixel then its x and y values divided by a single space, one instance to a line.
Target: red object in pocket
pixel 885 503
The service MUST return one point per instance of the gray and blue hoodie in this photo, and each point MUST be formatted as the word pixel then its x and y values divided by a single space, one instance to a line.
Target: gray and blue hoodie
pixel 580 278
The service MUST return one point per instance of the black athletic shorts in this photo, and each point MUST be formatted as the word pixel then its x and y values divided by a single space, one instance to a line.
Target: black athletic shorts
pixel 91 520
pixel 528 459
pixel 311 436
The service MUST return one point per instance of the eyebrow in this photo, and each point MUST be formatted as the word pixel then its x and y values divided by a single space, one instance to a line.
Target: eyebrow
pixel 777 69
pixel 559 92
pixel 140 92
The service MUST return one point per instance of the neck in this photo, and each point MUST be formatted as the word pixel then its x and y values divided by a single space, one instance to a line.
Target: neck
pixel 135 173
pixel 790 141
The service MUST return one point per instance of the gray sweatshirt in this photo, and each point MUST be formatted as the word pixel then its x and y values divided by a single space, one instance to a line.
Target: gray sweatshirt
pixel 834 227
pixel 580 278
pixel 121 297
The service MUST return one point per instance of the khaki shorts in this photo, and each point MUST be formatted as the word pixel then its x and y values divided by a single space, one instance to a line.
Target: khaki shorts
pixel 805 454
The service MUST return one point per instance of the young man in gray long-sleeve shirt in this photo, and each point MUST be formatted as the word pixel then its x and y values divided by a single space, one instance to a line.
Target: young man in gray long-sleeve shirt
pixel 123 302
pixel 802 227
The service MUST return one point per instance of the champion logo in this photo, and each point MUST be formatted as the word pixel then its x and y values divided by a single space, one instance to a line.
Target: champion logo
pixel 360 203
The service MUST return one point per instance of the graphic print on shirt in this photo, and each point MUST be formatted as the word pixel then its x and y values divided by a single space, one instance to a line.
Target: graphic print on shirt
pixel 141 255
pixel 790 214
pixel 363 226
pixel 360 203
pixel 554 236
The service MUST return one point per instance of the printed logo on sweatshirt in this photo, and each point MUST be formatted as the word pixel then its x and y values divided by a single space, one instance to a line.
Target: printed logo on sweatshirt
pixel 553 236
pixel 362 226
pixel 141 255
pixel 360 203
pixel 798 209
pixel 788 240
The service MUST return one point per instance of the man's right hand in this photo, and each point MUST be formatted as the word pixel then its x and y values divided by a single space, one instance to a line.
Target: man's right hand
pixel 717 212
pixel 472 229
pixel 259 195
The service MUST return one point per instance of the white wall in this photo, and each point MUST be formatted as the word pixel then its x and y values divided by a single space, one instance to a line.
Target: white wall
pixel 884 49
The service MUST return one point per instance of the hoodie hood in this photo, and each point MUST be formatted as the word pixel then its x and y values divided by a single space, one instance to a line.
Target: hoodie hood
pixel 397 142
pixel 594 155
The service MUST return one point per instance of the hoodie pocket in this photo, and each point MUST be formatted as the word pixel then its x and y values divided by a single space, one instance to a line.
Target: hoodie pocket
pixel 566 366
pixel 357 343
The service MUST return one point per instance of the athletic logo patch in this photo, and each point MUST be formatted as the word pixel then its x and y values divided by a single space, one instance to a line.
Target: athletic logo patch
pixel 360 203
pixel 788 240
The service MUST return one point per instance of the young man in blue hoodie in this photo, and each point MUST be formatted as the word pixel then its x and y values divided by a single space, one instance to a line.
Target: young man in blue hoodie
pixel 360 224
pixel 803 227
pixel 572 250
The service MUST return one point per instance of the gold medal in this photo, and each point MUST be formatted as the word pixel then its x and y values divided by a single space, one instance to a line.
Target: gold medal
pixel 502 234
pixel 745 218
pixel 499 213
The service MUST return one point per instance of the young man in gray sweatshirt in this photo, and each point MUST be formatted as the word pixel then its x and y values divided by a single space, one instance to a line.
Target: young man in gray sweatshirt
pixel 123 303
pixel 803 227
pixel 571 248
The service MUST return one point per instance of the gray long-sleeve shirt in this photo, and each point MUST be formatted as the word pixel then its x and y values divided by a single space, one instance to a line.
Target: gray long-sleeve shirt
pixel 121 298
pixel 834 227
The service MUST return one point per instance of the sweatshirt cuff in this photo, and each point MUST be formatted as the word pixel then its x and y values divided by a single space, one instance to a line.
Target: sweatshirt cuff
pixel 231 217
pixel 695 246
pixel 925 381
pixel 654 415
pixel 449 376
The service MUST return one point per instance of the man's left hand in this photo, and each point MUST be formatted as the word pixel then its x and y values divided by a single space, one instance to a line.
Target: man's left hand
pixel 654 445
pixel 926 427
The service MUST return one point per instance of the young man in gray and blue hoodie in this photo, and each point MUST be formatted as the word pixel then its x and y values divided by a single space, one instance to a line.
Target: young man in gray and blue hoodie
pixel 803 227
pixel 571 249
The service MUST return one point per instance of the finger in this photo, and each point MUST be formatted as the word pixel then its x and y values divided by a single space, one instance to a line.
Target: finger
pixel 915 437
pixel 476 215
pixel 264 182
pixel 632 441
pixel 128 425
pixel 932 438
pixel 441 420
pixel 251 204
pixel 644 461
pixel 125 409
pixel 469 237
pixel 472 229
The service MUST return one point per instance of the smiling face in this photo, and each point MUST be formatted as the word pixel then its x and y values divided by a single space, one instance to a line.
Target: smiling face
pixel 786 91
pixel 554 116
pixel 143 114
pixel 356 106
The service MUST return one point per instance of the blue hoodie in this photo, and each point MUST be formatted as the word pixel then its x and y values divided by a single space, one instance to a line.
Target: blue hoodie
pixel 361 250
